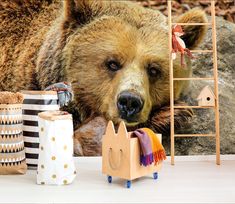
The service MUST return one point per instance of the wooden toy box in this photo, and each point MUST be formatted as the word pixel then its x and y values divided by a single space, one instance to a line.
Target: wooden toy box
pixel 121 155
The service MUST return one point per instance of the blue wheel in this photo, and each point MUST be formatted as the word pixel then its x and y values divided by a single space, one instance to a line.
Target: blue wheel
pixel 109 179
pixel 128 184
pixel 155 176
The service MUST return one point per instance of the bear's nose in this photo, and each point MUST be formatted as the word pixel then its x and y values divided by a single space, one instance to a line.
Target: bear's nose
pixel 129 104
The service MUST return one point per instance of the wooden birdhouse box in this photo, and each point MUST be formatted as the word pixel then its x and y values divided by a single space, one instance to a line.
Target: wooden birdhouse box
pixel 206 97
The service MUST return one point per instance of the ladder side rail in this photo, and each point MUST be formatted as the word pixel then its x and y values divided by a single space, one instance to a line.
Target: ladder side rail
pixel 215 66
pixel 171 83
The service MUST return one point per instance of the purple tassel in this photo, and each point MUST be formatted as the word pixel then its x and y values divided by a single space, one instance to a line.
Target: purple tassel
pixel 147 159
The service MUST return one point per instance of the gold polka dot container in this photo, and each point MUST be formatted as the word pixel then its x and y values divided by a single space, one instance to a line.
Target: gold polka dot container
pixel 55 163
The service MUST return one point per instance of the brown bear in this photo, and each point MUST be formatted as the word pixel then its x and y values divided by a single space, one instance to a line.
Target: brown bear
pixel 114 53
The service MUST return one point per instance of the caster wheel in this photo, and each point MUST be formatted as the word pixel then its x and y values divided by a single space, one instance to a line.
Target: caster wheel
pixel 155 176
pixel 128 184
pixel 109 179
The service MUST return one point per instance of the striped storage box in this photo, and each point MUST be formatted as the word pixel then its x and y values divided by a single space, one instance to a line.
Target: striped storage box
pixel 12 154
pixel 34 103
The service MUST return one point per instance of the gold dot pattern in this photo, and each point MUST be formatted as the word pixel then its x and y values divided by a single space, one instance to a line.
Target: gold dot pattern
pixel 65 166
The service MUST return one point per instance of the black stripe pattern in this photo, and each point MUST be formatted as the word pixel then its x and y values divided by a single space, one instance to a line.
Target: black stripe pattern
pixel 40 102
pixel 32 165
pixel 30 134
pixel 30 145
pixel 31 112
pixel 31 156
pixel 30 123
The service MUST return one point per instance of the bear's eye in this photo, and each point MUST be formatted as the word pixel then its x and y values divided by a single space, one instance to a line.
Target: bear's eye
pixel 113 65
pixel 154 71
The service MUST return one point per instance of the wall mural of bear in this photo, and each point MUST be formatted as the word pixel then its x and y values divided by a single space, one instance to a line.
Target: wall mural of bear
pixel 114 53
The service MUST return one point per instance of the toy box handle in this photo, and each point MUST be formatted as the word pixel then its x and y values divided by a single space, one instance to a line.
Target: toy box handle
pixel 115 167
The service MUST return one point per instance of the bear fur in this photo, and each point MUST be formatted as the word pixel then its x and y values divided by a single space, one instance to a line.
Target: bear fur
pixel 48 41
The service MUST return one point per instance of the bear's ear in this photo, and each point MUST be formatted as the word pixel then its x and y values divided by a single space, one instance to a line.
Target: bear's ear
pixel 82 11
pixel 194 34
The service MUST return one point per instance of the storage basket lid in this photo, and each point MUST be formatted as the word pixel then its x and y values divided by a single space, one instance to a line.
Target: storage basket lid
pixel 7 97
pixel 55 115
pixel 30 92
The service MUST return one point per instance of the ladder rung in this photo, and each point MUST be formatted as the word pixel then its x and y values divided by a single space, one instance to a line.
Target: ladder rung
pixel 194 135
pixel 193 106
pixel 209 51
pixel 191 23
pixel 180 79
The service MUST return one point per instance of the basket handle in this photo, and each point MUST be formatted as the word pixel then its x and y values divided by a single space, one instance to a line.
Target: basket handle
pixel 115 167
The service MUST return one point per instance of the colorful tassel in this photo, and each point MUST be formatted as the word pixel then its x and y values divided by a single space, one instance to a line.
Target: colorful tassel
pixel 152 150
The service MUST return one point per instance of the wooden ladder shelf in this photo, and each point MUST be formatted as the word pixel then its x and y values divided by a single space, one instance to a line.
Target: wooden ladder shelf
pixel 215 78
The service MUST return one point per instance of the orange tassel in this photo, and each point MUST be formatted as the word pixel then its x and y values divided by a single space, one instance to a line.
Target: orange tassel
pixel 157 148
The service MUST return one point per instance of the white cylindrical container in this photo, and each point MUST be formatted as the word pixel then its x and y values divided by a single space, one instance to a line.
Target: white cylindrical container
pixel 55 162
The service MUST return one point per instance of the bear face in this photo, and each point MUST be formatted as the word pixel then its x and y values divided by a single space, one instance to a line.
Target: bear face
pixel 122 68
pixel 119 65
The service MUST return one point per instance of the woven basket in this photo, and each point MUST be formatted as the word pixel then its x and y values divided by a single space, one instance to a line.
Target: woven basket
pixel 12 153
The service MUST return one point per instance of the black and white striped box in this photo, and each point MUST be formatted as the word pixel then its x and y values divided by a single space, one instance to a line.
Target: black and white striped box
pixel 34 103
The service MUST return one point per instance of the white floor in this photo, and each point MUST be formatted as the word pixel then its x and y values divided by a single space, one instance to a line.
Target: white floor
pixel 191 180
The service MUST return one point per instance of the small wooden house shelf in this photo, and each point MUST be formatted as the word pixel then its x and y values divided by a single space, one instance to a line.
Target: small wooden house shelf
pixel 206 97
pixel 121 156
